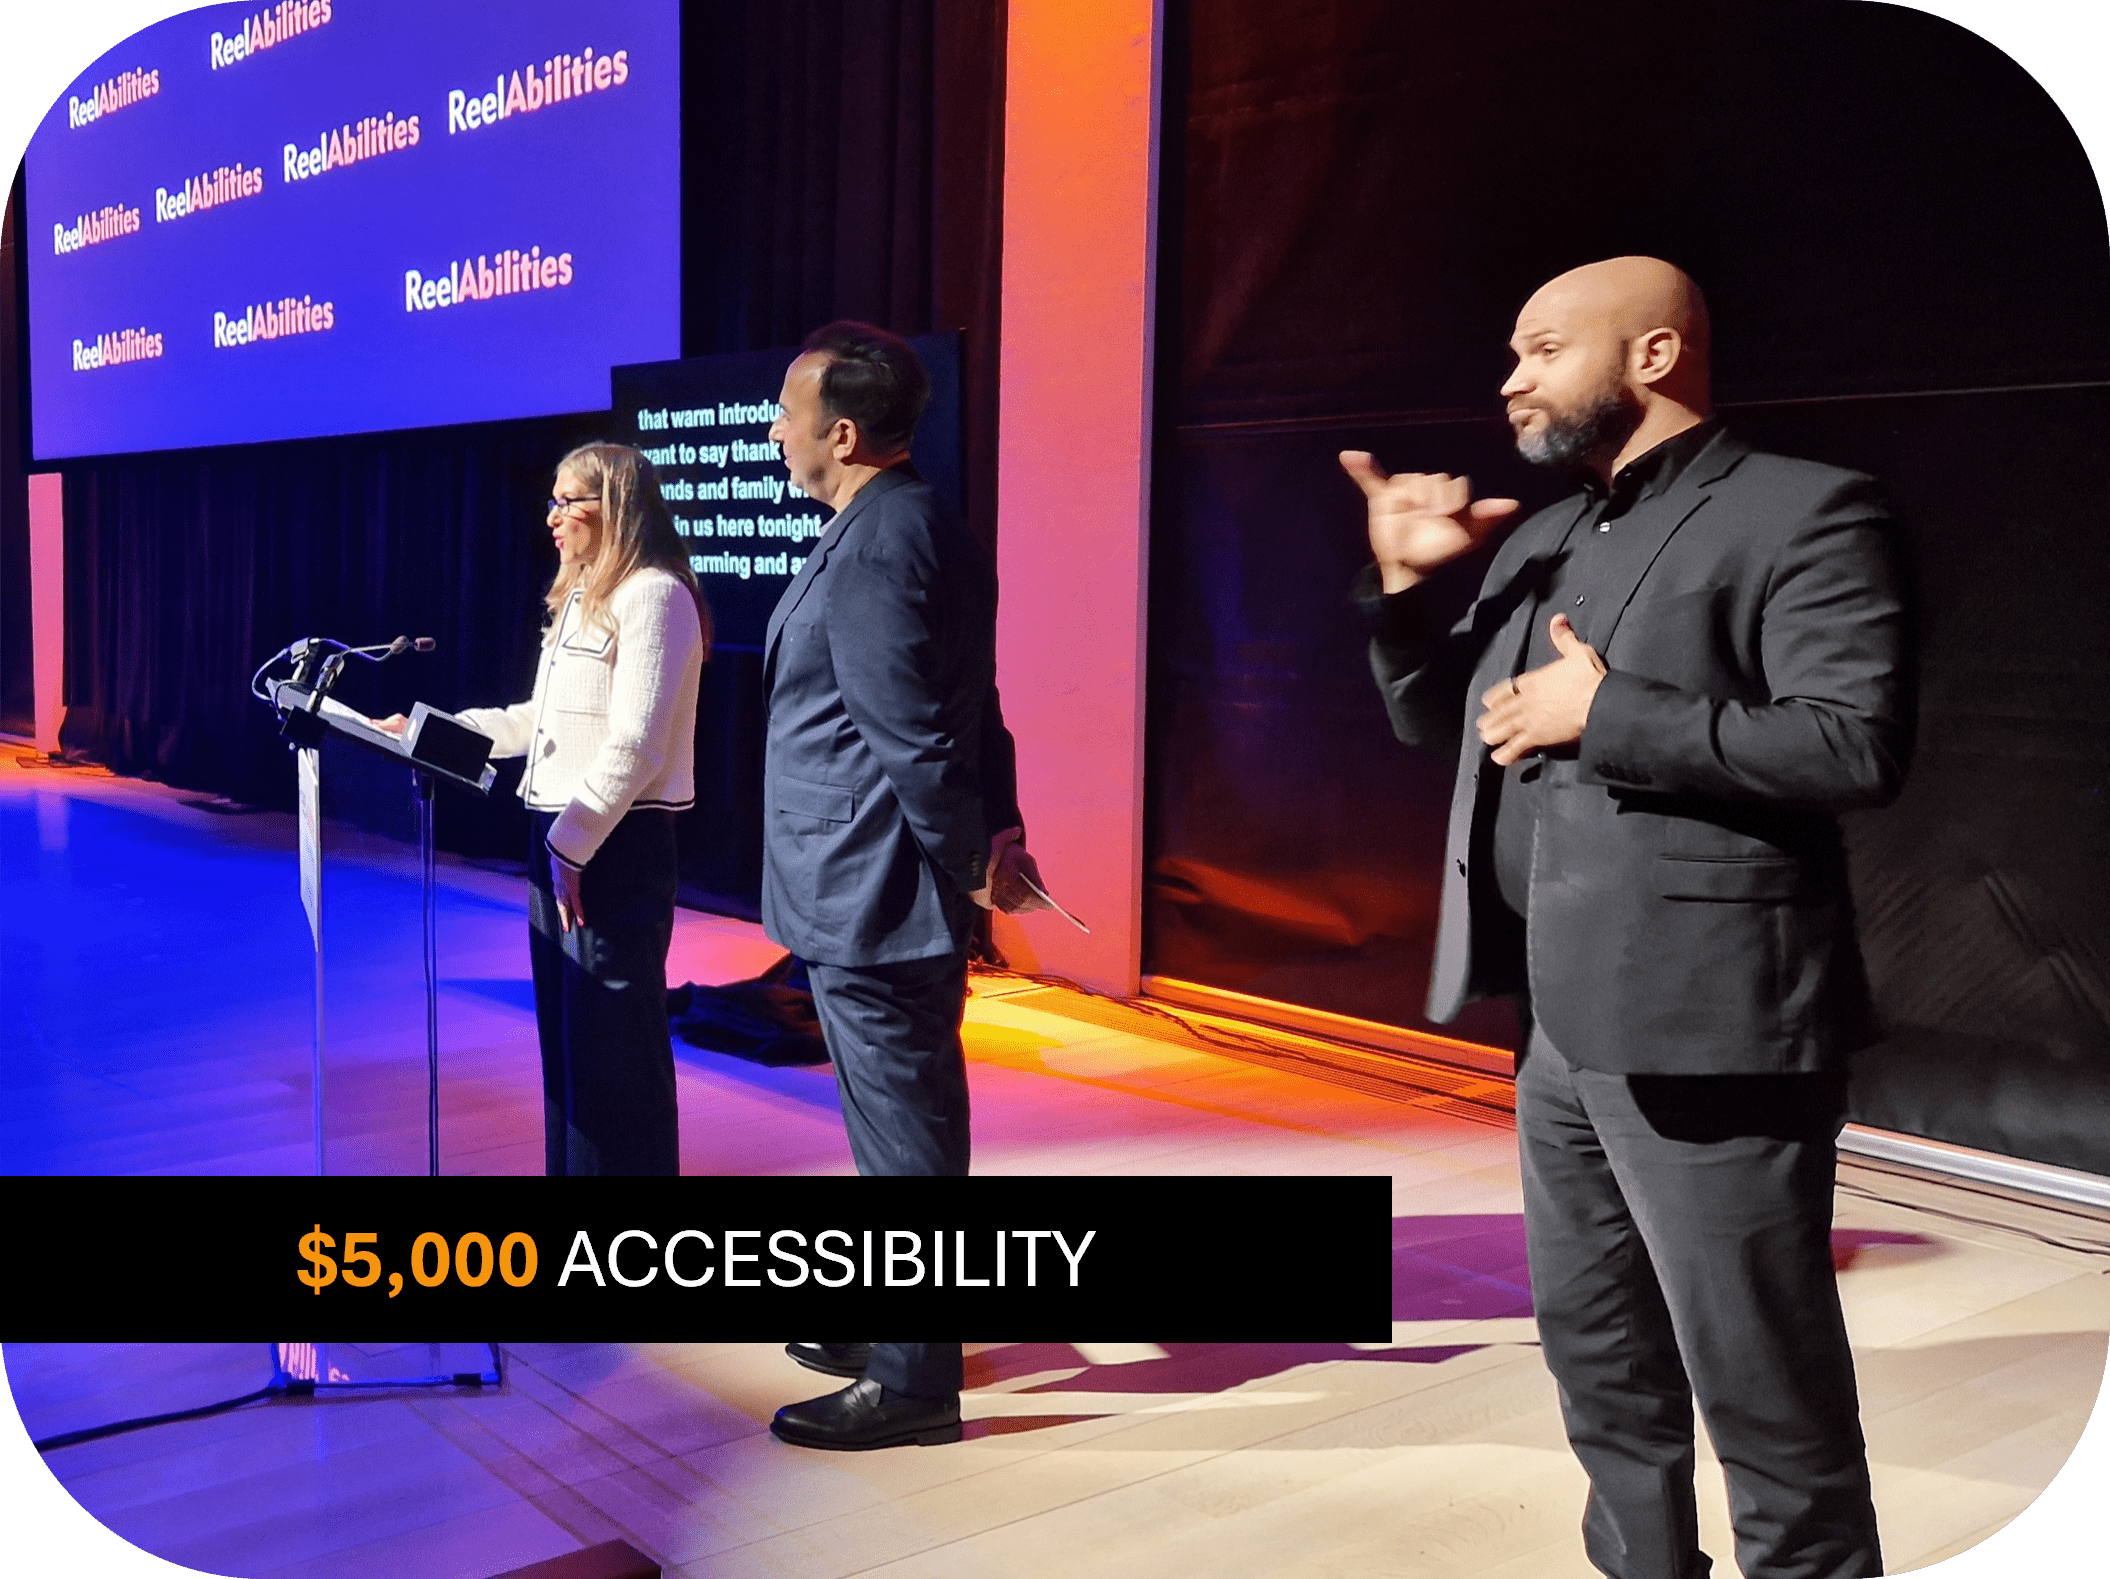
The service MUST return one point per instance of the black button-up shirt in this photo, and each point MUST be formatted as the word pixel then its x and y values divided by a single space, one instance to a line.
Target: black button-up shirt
pixel 1571 584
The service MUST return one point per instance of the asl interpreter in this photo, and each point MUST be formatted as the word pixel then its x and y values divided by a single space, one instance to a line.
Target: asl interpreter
pixel 891 817
pixel 1667 687
pixel 609 733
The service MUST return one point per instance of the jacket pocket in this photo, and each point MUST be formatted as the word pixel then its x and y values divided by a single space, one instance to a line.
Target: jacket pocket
pixel 824 802
pixel 1730 877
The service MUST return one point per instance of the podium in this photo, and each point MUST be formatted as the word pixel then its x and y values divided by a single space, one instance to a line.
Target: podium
pixel 434 746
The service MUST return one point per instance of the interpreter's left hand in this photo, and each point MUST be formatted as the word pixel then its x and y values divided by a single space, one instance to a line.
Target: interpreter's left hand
pixel 1543 708
pixel 565 882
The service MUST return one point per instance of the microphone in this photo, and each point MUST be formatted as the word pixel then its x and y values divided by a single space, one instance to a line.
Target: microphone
pixel 380 652
pixel 383 651
pixel 319 660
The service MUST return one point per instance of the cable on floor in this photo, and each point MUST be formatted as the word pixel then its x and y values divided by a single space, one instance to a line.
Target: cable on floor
pixel 272 1389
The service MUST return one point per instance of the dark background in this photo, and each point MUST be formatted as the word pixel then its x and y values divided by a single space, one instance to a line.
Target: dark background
pixel 840 158
pixel 1904 248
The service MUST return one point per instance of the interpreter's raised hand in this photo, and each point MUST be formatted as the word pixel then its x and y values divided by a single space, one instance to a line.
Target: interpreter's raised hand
pixel 1420 520
pixel 1546 707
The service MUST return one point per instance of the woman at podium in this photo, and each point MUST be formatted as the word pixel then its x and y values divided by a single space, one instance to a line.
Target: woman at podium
pixel 609 736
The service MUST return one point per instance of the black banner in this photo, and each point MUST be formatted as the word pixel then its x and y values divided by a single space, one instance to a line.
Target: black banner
pixel 712 1258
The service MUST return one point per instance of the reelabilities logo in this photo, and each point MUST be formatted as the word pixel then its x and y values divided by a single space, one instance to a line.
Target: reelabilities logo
pixel 482 279
pixel 116 349
pixel 561 79
pixel 279 320
pixel 374 136
pixel 267 30
pixel 120 92
pixel 228 184
pixel 105 224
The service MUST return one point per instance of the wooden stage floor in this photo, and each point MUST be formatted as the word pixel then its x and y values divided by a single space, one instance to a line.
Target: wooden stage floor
pixel 155 1020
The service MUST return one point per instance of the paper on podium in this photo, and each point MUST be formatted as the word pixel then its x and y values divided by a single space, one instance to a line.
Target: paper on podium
pixel 332 708
pixel 431 741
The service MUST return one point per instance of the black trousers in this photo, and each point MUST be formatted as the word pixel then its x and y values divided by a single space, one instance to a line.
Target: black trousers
pixel 601 1003
pixel 893 1032
pixel 1679 1230
pixel 922 1370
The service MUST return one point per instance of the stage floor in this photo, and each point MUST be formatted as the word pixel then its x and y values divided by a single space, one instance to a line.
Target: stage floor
pixel 156 1018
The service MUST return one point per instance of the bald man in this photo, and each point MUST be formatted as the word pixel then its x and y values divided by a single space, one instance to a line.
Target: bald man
pixel 1665 690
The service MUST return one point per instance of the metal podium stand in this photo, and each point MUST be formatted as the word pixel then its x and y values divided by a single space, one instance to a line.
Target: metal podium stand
pixel 434 746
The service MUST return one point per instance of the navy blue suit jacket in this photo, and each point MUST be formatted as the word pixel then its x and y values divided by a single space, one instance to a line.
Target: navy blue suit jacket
pixel 888 767
pixel 1688 900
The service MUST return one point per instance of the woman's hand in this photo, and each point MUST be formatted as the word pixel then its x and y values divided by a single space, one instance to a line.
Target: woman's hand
pixel 565 883
pixel 393 724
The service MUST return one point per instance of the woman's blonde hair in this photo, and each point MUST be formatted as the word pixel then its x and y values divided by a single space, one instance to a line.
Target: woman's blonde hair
pixel 637 530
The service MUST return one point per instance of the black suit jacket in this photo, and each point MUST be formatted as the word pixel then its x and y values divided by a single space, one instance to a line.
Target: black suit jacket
pixel 1688 903
pixel 888 767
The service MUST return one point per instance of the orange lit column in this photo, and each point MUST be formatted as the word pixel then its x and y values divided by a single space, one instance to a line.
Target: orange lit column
pixel 47 603
pixel 1073 465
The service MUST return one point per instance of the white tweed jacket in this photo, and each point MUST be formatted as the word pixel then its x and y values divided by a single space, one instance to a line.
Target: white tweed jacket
pixel 612 721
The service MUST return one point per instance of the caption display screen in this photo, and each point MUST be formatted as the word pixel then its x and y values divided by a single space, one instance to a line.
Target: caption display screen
pixel 338 216
pixel 704 421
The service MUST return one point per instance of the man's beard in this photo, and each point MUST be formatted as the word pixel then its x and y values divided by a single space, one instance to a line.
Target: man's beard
pixel 1571 438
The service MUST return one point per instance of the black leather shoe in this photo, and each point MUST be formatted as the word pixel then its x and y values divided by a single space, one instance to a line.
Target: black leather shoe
pixel 865 1415
pixel 832 1359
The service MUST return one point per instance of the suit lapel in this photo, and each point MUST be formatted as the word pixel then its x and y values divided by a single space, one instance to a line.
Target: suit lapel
pixel 1517 576
pixel 818 559
pixel 1640 539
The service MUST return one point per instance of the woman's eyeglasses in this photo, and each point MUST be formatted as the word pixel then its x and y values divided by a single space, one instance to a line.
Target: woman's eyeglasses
pixel 559 505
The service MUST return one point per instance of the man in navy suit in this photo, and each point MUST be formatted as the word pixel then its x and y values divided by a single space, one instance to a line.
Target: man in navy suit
pixel 891 816
pixel 1660 694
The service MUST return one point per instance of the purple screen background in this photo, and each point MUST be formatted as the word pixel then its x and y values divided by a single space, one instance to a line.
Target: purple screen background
pixel 596 176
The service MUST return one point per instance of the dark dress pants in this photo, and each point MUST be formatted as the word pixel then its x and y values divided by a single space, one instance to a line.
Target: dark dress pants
pixel 1679 1230
pixel 893 1033
pixel 601 1003
pixel 922 1370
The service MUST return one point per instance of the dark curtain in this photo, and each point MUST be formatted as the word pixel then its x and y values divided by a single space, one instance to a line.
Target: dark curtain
pixel 1904 247
pixel 838 159
pixel 186 569
pixel 845 160
pixel 17 688
pixel 842 159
